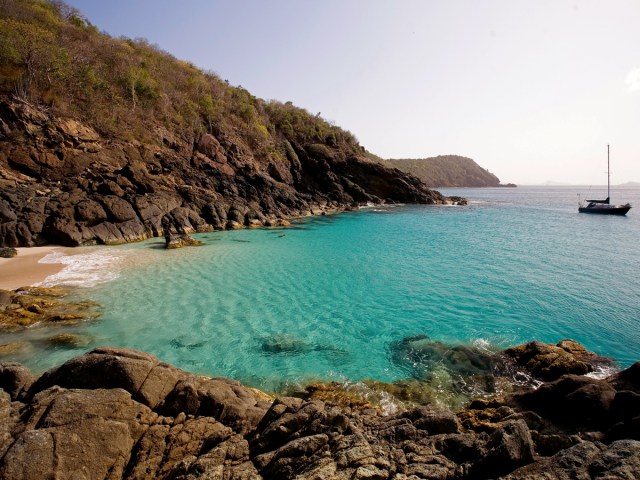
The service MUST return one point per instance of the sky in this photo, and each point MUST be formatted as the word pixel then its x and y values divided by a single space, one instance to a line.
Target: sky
pixel 532 90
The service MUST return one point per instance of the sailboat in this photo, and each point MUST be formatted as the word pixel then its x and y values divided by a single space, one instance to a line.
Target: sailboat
pixel 604 206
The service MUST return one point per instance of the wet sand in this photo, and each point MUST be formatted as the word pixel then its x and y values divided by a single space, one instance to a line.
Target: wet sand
pixel 24 270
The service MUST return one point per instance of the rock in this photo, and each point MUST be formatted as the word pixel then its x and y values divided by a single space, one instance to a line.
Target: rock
pixel 89 187
pixel 76 434
pixel 179 241
pixel 572 400
pixel 69 340
pixel 435 422
pixel 77 131
pixel 284 344
pixel 8 252
pixel 118 210
pixel 120 413
pixel 423 352
pixel 15 379
pixel 550 362
pixel 509 447
pixel 226 400
pixel 628 379
pixel 141 374
pixel 32 305
pixel 586 460
pixel 13 348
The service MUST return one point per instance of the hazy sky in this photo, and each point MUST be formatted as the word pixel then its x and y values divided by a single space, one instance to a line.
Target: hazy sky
pixel 531 90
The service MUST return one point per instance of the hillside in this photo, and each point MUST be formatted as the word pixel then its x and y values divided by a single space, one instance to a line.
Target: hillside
pixel 446 171
pixel 106 140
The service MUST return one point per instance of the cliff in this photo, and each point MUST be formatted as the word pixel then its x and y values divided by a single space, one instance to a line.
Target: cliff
pixel 122 414
pixel 447 171
pixel 107 141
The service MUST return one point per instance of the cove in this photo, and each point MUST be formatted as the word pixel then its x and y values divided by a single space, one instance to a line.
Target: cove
pixel 329 297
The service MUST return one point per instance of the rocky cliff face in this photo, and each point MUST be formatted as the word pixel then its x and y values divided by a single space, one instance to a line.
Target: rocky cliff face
pixel 122 414
pixel 61 182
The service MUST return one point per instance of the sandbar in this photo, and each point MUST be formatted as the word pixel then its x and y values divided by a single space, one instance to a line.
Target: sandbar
pixel 24 270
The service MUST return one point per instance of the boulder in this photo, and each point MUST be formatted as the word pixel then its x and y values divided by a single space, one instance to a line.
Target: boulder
pixel 141 374
pixel 173 241
pixel 573 400
pixel 228 401
pixel 8 252
pixel 76 434
pixel 621 459
pixel 550 362
pixel 509 447
pixel 628 379
pixel 15 379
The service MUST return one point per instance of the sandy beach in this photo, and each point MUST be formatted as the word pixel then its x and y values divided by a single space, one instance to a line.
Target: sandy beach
pixel 24 269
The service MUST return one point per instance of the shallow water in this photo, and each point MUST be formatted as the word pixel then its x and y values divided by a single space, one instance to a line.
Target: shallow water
pixel 327 298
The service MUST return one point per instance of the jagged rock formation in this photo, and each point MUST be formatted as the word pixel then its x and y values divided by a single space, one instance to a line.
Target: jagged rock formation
pixel 447 171
pixel 63 183
pixel 119 413
pixel 106 140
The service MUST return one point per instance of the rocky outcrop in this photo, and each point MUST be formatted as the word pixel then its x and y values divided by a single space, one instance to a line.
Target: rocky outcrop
pixel 28 306
pixel 549 362
pixel 62 182
pixel 120 413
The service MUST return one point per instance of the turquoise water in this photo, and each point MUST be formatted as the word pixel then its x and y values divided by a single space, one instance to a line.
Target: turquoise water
pixel 326 298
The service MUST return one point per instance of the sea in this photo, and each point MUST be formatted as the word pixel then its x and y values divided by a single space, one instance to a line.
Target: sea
pixel 330 298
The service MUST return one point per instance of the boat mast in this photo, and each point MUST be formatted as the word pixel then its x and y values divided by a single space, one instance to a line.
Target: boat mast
pixel 608 177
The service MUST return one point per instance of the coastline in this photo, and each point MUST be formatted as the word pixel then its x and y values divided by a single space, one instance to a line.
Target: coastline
pixel 25 270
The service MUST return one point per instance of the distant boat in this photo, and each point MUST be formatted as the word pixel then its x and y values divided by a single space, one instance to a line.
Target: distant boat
pixel 604 206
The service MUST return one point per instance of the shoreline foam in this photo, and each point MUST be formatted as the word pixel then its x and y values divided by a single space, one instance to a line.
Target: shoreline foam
pixel 25 269
pixel 87 267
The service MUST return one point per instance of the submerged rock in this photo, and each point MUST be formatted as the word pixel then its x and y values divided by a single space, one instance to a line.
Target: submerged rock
pixel 286 344
pixel 28 306
pixel 424 354
pixel 448 375
pixel 70 340
pixel 13 348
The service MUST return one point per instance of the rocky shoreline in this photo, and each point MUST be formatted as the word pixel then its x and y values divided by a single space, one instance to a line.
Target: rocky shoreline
pixel 62 182
pixel 120 413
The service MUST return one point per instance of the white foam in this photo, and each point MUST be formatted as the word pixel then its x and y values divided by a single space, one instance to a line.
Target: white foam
pixel 83 269
pixel 482 344
pixel 603 371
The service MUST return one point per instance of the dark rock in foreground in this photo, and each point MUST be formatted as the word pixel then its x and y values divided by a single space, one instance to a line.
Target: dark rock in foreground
pixel 119 413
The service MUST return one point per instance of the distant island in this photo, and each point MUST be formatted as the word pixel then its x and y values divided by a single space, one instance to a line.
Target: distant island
pixel 447 171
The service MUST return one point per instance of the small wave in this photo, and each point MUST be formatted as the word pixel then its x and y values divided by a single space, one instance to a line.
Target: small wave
pixel 483 344
pixel 603 371
pixel 82 269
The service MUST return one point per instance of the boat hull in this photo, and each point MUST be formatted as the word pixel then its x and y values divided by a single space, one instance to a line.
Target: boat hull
pixel 606 209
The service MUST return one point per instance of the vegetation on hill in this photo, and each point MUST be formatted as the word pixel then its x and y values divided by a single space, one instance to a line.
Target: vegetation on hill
pixel 446 171
pixel 50 53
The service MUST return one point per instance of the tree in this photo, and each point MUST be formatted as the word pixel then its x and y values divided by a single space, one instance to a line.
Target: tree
pixel 32 48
